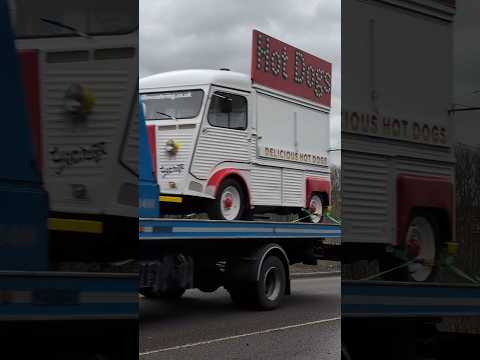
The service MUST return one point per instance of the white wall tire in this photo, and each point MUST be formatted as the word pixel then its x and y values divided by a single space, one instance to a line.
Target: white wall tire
pixel 315 209
pixel 421 240
pixel 230 204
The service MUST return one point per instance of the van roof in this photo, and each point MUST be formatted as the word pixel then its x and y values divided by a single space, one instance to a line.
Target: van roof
pixel 196 77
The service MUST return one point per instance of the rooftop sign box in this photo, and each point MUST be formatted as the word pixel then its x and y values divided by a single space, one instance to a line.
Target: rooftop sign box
pixel 283 67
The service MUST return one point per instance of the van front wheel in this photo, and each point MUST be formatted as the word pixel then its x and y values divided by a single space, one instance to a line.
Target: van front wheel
pixel 230 203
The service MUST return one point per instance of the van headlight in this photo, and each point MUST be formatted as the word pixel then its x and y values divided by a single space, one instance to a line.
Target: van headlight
pixel 78 101
pixel 172 147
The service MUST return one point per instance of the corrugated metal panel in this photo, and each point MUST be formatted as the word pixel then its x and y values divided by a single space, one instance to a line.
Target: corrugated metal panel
pixel 365 187
pixel 217 145
pixel 266 185
pixel 293 188
pixel 423 168
pixel 81 154
pixel 86 144
pixel 185 138
pixel 379 146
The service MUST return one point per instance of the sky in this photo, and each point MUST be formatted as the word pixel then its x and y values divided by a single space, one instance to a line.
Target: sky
pixel 214 34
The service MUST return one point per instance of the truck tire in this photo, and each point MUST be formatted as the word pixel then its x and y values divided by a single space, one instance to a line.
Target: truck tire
pixel 170 294
pixel 231 202
pixel 265 294
pixel 269 290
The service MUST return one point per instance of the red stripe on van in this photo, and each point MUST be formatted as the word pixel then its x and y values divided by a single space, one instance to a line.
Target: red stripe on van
pixel 153 146
pixel 29 66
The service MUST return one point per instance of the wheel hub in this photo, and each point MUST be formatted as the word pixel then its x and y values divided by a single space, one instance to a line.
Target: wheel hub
pixel 272 284
pixel 421 246
pixel 228 201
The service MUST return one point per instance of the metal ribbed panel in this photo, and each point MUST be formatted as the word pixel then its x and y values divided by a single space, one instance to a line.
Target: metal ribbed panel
pixel 379 146
pixel 266 186
pixel 365 190
pixel 185 138
pixel 84 146
pixel 217 145
pixel 423 168
pixel 293 188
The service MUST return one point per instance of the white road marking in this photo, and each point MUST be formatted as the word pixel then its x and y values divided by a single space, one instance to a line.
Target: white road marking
pixel 260 332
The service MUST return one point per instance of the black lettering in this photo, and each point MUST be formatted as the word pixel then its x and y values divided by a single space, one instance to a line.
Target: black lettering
pixel 374 124
pixel 405 128
pixel 416 131
pixel 426 132
pixel 354 121
pixel 386 126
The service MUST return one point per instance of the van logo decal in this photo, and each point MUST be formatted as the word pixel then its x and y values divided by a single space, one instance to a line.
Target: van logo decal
pixel 67 158
pixel 174 169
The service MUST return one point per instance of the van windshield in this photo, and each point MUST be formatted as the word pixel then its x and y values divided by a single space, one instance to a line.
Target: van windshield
pixel 172 105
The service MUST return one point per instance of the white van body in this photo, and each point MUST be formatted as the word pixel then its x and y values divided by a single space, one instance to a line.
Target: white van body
pixel 280 155
pixel 88 159
pixel 397 136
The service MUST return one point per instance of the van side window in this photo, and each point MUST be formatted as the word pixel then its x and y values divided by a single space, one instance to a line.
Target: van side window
pixel 228 111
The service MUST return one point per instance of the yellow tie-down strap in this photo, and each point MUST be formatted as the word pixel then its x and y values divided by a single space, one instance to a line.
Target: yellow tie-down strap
pixel 171 199
pixel 75 225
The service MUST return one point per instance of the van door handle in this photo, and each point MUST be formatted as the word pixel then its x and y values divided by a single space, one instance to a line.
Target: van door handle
pixel 204 130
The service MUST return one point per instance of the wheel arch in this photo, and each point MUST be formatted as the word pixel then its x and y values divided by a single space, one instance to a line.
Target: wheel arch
pixel 419 194
pixel 220 176
pixel 320 186
pixel 247 267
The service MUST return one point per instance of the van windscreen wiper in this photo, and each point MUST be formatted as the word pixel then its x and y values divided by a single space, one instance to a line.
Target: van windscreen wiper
pixel 167 115
pixel 68 27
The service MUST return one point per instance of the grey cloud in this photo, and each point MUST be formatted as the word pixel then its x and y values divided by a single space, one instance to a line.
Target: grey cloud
pixel 214 34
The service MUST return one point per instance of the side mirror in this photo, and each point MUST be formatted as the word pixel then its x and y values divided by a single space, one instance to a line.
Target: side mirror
pixel 226 105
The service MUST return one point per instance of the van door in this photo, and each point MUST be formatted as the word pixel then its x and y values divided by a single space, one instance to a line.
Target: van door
pixel 225 132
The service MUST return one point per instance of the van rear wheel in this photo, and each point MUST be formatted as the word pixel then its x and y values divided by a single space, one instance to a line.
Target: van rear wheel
pixel 231 202
pixel 422 241
pixel 315 210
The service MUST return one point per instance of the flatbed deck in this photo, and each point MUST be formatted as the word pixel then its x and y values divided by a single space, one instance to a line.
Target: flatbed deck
pixel 386 299
pixel 52 295
pixel 168 229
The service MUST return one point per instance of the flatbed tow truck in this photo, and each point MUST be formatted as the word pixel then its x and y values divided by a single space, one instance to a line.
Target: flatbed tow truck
pixel 250 259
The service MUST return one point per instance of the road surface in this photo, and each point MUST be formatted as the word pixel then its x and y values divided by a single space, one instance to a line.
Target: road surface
pixel 207 326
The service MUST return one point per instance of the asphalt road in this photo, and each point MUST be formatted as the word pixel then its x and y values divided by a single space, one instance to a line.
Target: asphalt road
pixel 207 326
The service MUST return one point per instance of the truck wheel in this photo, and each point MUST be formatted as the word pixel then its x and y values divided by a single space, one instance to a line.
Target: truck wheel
pixel 315 208
pixel 230 203
pixel 167 295
pixel 269 290
pixel 421 243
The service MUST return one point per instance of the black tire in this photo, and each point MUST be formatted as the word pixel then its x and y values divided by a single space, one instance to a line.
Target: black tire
pixel 264 294
pixel 215 207
pixel 268 292
pixel 170 294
